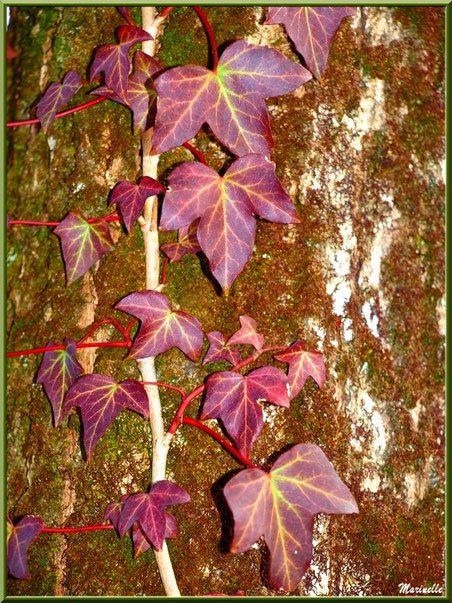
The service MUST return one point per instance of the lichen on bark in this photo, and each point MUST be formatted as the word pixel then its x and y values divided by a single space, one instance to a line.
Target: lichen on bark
pixel 361 277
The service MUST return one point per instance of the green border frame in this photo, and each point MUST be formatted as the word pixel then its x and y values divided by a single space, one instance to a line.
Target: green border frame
pixel 3 10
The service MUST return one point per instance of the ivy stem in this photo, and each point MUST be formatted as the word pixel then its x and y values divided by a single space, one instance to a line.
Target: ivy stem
pixel 110 218
pixel 166 11
pixel 54 348
pixel 166 385
pixel 209 30
pixel 73 530
pixel 152 23
pixel 164 265
pixel 106 321
pixel 195 152
pixel 30 122
pixel 216 436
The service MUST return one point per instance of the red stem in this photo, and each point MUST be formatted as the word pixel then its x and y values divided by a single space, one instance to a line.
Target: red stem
pixel 164 265
pixel 29 122
pixel 195 152
pixel 167 385
pixel 82 529
pixel 106 321
pixel 109 218
pixel 166 11
pixel 209 30
pixel 243 459
pixel 54 348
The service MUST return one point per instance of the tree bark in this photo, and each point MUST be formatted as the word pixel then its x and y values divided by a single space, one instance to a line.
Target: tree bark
pixel 361 277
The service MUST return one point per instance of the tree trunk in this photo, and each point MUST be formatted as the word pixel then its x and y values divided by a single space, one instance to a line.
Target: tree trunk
pixel 361 277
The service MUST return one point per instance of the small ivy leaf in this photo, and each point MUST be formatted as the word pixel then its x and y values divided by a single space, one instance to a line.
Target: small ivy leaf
pixel 219 350
pixel 302 363
pixel 280 506
pixel 113 511
pixel 141 544
pixel 100 400
pixel 187 243
pixel 83 243
pixel 56 96
pixel 161 328
pixel 141 97
pixel 131 197
pixel 125 13
pixel 233 398
pixel 58 371
pixel 226 205
pixel 19 538
pixel 231 100
pixel 247 334
pixel 113 59
pixel 312 29
pixel 148 509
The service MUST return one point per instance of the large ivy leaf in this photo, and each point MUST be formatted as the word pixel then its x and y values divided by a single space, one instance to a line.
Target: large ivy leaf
pixel 148 510
pixel 58 371
pixel 280 506
pixel 113 59
pixel 161 328
pixel 233 398
pixel 141 97
pixel 226 205
pixel 220 351
pixel 187 243
pixel 230 100
pixel 19 537
pixel 83 243
pixel 131 197
pixel 312 29
pixel 247 334
pixel 56 96
pixel 100 400
pixel 302 363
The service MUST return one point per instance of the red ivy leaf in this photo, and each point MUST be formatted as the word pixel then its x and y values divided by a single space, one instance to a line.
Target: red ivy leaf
pixel 83 243
pixel 148 509
pixel 100 400
pixel 312 29
pixel 226 205
pixel 113 59
pixel 141 544
pixel 187 243
pixel 19 538
pixel 247 334
pixel 233 398
pixel 280 506
pixel 219 350
pixel 56 96
pixel 125 13
pixel 131 197
pixel 161 328
pixel 141 97
pixel 58 371
pixel 231 100
pixel 302 363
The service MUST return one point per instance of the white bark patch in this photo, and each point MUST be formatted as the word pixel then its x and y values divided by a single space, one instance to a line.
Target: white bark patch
pixel 416 484
pixel 380 28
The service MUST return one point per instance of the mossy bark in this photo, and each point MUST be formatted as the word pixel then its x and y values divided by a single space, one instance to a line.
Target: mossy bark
pixel 362 277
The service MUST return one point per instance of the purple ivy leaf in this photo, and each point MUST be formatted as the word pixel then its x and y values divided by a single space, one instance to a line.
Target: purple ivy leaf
pixel 219 350
pixel 100 400
pixel 113 511
pixel 58 371
pixel 247 334
pixel 113 59
pixel 233 398
pixel 56 96
pixel 141 544
pixel 312 30
pixel 280 506
pixel 302 363
pixel 83 243
pixel 226 205
pixel 125 13
pixel 131 197
pixel 148 509
pixel 19 538
pixel 231 100
pixel 187 243
pixel 161 328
